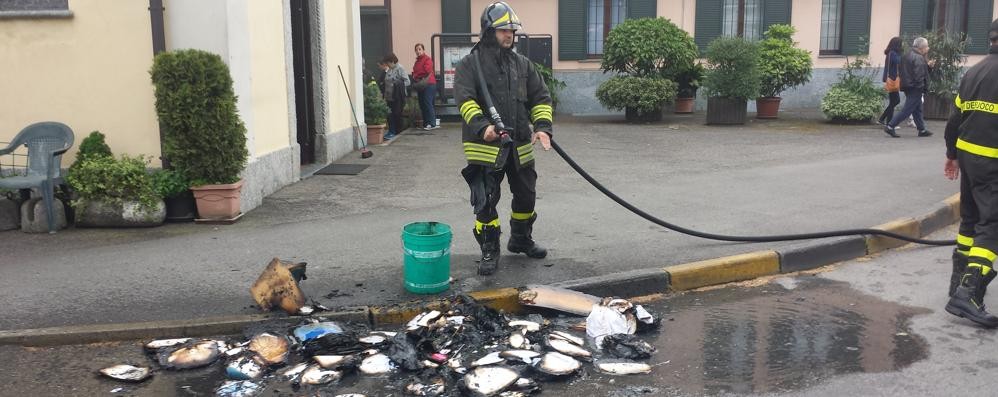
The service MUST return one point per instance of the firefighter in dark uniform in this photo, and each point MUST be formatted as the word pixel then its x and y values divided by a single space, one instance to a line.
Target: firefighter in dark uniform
pixel 522 100
pixel 972 155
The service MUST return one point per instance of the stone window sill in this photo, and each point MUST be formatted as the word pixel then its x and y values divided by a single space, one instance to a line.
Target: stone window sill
pixel 40 14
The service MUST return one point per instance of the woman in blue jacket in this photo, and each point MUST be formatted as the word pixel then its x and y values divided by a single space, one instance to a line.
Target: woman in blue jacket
pixel 892 67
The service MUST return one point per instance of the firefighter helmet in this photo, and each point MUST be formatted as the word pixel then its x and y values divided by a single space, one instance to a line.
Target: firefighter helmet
pixel 499 15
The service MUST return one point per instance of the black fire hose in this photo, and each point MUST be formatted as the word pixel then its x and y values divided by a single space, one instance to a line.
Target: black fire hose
pixel 487 98
pixel 721 237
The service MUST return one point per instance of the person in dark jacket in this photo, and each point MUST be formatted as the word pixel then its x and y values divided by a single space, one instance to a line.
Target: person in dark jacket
pixel 396 87
pixel 423 69
pixel 914 82
pixel 972 156
pixel 524 104
pixel 892 66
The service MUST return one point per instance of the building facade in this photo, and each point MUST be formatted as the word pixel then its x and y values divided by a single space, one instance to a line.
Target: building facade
pixel 86 63
pixel 830 29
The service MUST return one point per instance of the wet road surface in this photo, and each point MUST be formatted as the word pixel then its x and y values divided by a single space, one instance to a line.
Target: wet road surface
pixel 781 337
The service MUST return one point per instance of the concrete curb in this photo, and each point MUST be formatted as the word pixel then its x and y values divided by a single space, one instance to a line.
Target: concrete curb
pixel 633 283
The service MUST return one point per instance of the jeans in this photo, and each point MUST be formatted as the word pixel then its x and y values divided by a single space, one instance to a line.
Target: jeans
pixel 912 107
pixel 426 105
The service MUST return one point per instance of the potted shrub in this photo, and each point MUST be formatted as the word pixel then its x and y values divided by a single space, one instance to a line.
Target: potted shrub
pixel 640 97
pixel 175 190
pixel 115 193
pixel 782 66
pixel 856 97
pixel 732 79
pixel 375 113
pixel 946 53
pixel 203 135
pixel 646 49
pixel 554 85
pixel 688 82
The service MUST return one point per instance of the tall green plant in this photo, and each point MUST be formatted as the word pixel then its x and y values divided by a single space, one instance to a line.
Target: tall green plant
pixel 733 70
pixel 946 51
pixel 648 47
pixel 94 145
pixel 781 64
pixel 203 135
pixel 375 108
pixel 689 80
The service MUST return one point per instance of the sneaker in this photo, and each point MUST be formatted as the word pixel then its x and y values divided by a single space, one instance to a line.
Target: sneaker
pixel 432 127
pixel 890 131
pixel 924 133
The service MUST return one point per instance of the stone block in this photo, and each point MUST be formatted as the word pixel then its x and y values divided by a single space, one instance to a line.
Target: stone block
pixel 34 219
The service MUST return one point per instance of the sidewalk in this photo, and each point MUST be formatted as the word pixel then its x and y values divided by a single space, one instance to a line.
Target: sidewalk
pixel 773 177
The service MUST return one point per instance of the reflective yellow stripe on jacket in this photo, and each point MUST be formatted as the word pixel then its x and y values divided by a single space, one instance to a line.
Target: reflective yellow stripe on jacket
pixel 479 152
pixel 541 112
pixel 470 109
pixel 526 153
pixel 978 106
pixel 976 149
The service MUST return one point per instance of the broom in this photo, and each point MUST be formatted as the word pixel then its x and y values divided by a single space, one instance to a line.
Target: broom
pixel 364 153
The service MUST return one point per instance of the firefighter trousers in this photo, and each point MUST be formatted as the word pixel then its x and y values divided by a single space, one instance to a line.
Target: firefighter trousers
pixel 522 183
pixel 978 236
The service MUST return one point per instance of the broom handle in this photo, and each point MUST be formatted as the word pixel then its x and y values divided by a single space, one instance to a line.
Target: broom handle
pixel 356 122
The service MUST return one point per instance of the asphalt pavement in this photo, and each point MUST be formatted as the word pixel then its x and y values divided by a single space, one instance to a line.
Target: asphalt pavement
pixel 796 174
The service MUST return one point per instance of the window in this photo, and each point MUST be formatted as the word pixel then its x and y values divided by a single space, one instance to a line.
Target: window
pixel 742 18
pixel 831 27
pixel 948 16
pixel 603 16
pixel 33 5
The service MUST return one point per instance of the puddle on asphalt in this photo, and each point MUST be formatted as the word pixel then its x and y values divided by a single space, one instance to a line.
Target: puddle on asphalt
pixel 782 336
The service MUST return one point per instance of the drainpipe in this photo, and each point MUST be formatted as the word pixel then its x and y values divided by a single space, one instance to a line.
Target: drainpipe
pixel 158 46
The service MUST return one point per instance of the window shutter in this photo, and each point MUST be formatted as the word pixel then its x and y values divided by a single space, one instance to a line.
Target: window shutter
pixel 913 13
pixel 455 18
pixel 855 27
pixel 978 24
pixel 775 12
pixel 708 22
pixel 572 19
pixel 642 9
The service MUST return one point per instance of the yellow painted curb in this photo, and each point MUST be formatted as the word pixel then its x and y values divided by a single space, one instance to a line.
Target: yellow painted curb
pixel 723 270
pixel 505 299
pixel 954 204
pixel 905 227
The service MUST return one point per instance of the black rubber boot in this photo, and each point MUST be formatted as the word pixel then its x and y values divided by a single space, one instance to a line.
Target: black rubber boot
pixel 521 241
pixel 488 239
pixel 959 266
pixel 968 299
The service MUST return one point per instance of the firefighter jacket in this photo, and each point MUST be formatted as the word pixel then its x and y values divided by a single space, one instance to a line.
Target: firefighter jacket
pixel 519 95
pixel 974 129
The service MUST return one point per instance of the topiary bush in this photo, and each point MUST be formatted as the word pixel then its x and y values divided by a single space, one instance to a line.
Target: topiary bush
pixel 375 108
pixel 202 134
pixel 643 94
pixel 113 181
pixel 856 96
pixel 733 69
pixel 94 145
pixel 782 65
pixel 648 47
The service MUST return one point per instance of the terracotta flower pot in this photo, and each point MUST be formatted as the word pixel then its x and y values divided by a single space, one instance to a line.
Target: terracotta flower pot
pixel 685 105
pixel 767 108
pixel 218 202
pixel 375 134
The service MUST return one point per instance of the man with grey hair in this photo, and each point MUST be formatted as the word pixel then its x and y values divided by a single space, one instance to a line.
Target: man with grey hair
pixel 914 82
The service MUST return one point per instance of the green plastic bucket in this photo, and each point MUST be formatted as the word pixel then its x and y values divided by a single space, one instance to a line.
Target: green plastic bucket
pixel 426 259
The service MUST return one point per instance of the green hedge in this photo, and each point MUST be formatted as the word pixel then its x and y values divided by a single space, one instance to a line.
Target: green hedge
pixel 644 94
pixel 202 133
